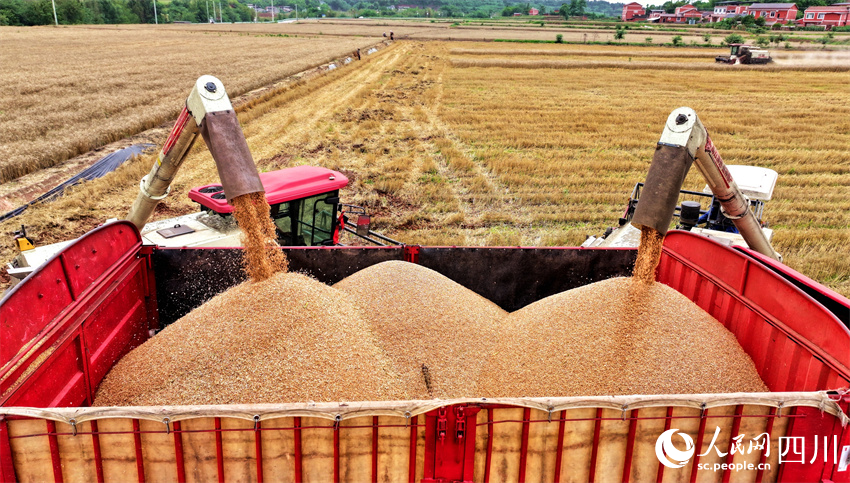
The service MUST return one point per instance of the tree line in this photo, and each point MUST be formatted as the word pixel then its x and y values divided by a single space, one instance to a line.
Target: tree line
pixel 40 12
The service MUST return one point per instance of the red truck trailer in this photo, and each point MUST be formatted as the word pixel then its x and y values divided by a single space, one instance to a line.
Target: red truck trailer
pixel 65 326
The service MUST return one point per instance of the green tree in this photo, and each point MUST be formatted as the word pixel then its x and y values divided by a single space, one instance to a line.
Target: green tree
pixel 733 39
pixel 577 8
pixel 677 40
pixel 38 12
pixel 620 33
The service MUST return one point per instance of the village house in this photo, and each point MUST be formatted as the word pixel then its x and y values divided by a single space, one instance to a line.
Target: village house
pixel 835 15
pixel 773 13
pixel 633 11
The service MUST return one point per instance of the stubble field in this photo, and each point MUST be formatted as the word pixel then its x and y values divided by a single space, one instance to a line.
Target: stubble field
pixel 444 149
pixel 69 90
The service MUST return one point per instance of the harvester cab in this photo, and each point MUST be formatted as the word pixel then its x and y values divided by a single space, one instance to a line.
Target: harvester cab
pixel 744 54
pixel 304 200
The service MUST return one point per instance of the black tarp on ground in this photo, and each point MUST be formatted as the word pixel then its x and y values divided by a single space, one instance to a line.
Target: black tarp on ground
pixel 104 165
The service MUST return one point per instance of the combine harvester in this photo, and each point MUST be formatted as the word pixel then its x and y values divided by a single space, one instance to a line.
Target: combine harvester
pixel 744 54
pixel 64 327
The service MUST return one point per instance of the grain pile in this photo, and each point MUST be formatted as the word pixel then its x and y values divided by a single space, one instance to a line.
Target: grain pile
pixel 434 330
pixel 618 336
pixel 289 338
pixel 262 258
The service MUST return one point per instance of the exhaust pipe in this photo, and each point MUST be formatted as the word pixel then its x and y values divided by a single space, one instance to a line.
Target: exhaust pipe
pixel 685 141
pixel 208 112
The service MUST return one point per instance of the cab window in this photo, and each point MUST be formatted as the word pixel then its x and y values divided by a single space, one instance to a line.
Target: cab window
pixel 282 221
pixel 316 220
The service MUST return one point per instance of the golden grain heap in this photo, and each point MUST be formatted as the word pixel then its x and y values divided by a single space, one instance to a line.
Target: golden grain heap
pixel 602 339
pixel 289 338
pixel 398 330
pixel 435 330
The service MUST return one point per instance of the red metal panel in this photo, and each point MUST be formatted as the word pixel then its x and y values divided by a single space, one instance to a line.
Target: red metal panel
pixel 559 451
pixel 54 452
pixel 178 453
pixel 219 451
pixel 90 257
pixel 489 456
pixel 336 452
pixel 258 446
pixel 595 450
pixel 630 446
pixel 7 467
pixel 299 473
pixel 29 308
pixel 98 459
pixel 787 324
pixel 814 425
pixel 730 456
pixel 659 475
pixel 523 451
pixel 110 306
pixel 137 442
pixel 374 449
pixel 450 450
pixel 763 459
pixel 700 438
pixel 59 382
pixel 118 326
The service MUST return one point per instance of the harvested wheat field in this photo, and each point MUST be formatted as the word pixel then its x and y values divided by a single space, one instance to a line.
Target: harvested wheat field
pixel 444 151
pixel 75 89
pixel 618 336
pixel 286 339
pixel 435 331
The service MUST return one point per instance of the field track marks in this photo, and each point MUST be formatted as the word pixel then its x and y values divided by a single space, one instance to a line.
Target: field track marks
pixel 268 136
pixel 479 191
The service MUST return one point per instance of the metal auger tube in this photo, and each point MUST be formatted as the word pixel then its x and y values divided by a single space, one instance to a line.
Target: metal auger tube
pixel 685 141
pixel 208 112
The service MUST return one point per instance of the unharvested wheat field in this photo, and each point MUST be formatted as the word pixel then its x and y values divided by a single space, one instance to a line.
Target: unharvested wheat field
pixel 444 151
pixel 69 90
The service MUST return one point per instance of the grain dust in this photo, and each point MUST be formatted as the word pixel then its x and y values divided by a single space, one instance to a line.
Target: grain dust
pixel 436 331
pixel 289 338
pixel 616 337
pixel 262 256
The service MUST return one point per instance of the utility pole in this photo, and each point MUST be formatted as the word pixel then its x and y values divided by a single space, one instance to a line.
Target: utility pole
pixel 296 12
pixel 55 18
pixel 155 20
pixel 273 16
pixel 208 10
pixel 220 17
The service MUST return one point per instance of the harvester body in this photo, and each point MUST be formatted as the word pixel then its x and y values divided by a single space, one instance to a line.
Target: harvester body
pixel 745 54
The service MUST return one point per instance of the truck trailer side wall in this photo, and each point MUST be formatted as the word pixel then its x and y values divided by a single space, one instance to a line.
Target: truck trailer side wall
pixel 63 343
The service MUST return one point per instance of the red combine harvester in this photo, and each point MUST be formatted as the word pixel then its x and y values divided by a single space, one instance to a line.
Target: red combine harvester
pixel 65 326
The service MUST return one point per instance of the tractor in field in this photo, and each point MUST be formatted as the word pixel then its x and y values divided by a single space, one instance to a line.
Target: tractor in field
pixel 744 54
